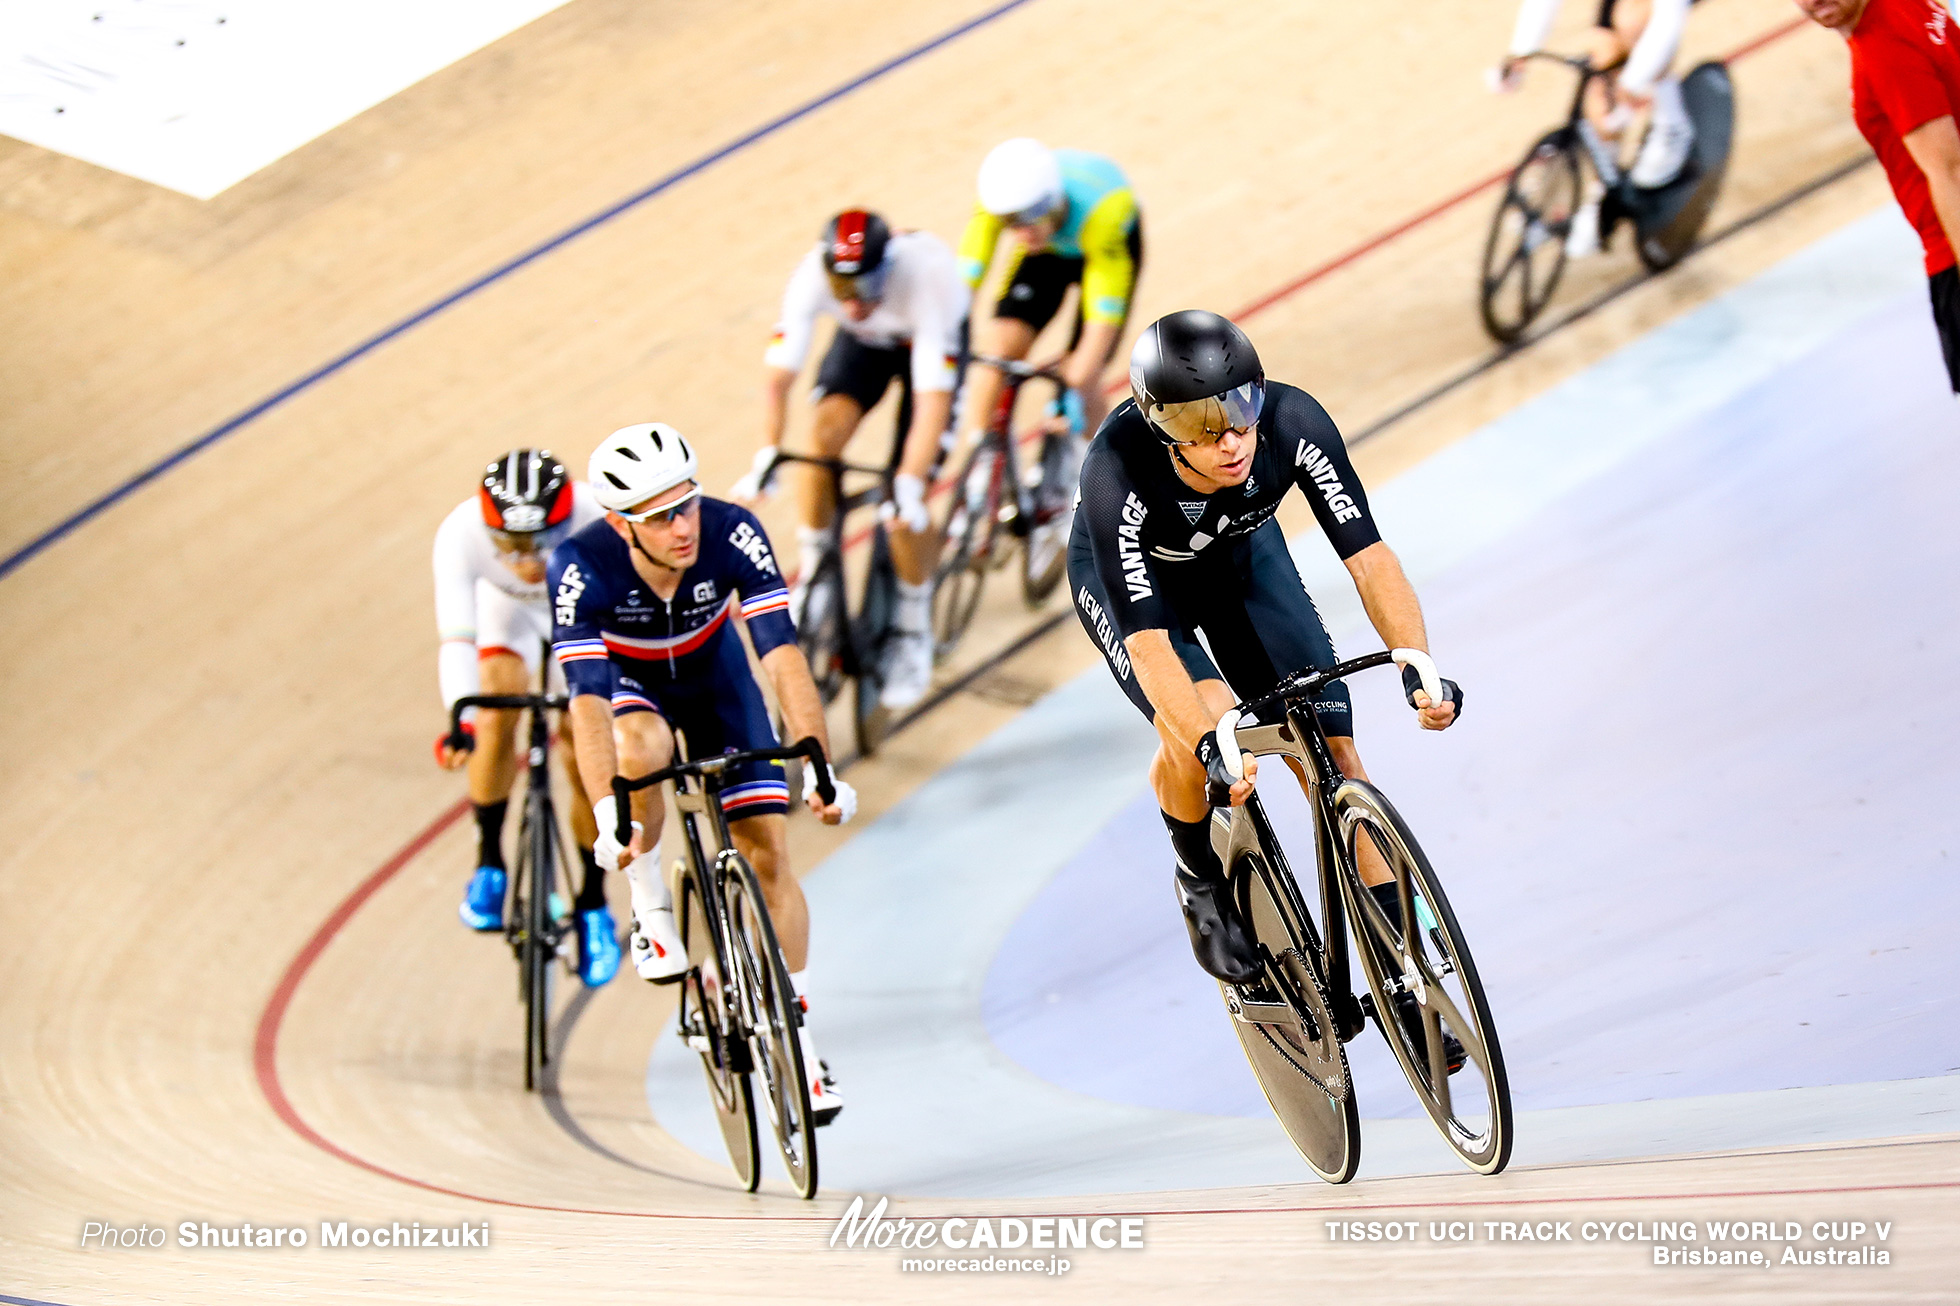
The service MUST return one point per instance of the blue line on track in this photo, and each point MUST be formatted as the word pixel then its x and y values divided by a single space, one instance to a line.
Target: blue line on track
pixel 14 560
pixel 26 1301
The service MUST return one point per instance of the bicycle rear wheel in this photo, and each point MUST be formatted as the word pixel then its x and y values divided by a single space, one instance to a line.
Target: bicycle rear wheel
pixel 773 1017
pixel 972 540
pixel 1044 554
pixel 708 1026
pixel 1524 256
pixel 1422 956
pixel 823 629
pixel 1288 1034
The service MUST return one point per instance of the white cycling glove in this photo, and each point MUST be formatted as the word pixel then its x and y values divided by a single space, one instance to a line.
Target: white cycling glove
pixel 909 503
pixel 607 849
pixel 749 487
pixel 847 797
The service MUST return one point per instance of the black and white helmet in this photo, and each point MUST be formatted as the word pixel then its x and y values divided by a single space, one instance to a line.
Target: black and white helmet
pixel 1195 376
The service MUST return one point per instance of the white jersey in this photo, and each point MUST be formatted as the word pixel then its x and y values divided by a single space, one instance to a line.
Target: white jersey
pixel 926 300
pixel 481 603
pixel 1650 57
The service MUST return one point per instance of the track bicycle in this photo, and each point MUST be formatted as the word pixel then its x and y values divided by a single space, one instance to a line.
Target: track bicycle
pixel 992 496
pixel 1423 991
pixel 1524 255
pixel 737 1007
pixel 843 647
pixel 537 923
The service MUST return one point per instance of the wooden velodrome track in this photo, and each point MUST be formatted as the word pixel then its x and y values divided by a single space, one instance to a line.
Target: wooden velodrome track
pixel 219 690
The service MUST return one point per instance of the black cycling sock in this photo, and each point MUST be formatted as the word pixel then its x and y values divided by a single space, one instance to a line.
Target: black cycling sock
pixel 1390 900
pixel 592 889
pixel 1191 840
pixel 490 833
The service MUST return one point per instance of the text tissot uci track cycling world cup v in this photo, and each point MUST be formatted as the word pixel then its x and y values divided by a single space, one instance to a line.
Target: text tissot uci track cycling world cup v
pixel 898 653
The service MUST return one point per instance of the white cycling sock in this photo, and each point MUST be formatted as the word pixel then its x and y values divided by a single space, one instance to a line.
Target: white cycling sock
pixel 800 981
pixel 1670 110
pixel 914 607
pixel 650 892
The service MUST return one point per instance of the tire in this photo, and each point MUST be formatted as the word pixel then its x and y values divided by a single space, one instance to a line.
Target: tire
pixel 824 635
pixel 1534 215
pixel 773 1017
pixel 1044 554
pixel 538 945
pixel 1288 1033
pixel 871 633
pixel 708 1026
pixel 1471 1108
pixel 973 538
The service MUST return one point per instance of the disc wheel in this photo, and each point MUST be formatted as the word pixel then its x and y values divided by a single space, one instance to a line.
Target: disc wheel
pixel 1524 255
pixel 1288 1034
pixel 871 634
pixel 1424 983
pixel 1044 554
pixel 773 1018
pixel 823 633
pixel 708 1027
pixel 972 541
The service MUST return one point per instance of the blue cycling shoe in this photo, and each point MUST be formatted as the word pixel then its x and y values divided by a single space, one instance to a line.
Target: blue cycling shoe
pixel 598 947
pixel 483 901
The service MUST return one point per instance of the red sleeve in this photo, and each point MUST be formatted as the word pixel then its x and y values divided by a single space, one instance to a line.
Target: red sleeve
pixel 1904 84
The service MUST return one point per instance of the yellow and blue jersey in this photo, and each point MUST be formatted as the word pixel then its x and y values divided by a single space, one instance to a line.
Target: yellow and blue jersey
pixel 1102 210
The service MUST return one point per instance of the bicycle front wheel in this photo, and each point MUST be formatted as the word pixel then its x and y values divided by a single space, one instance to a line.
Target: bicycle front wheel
pixel 823 628
pixel 972 540
pixel 1424 984
pixel 871 634
pixel 1288 1034
pixel 708 1026
pixel 1524 256
pixel 1044 554
pixel 536 944
pixel 773 1018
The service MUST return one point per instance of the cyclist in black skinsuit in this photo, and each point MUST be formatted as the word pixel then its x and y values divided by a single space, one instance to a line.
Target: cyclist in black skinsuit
pixel 1174 536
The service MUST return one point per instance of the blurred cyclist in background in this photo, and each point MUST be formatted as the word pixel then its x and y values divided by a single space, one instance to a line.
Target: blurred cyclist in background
pixel 495 622
pixel 1905 96
pixel 900 308
pixel 1071 220
pixel 1640 38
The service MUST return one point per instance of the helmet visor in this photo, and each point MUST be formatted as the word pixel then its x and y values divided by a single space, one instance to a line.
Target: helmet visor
pixel 1205 421
pixel 865 288
pixel 539 542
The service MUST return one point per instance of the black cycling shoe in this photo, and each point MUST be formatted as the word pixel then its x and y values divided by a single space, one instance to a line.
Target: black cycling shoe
pixel 1219 940
pixel 1411 1019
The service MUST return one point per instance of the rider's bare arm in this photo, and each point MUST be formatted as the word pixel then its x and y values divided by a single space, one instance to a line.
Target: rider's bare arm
pixel 1181 713
pixel 1935 147
pixel 789 672
pixel 776 385
pixel 1395 612
pixel 592 741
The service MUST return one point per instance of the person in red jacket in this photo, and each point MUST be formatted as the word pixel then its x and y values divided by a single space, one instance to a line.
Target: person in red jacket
pixel 1905 96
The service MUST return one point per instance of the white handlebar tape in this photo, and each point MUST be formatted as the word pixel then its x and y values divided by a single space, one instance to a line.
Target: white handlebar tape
pixel 1228 744
pixel 1432 684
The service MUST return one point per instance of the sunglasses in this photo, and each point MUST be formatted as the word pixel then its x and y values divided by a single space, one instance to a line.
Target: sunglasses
pixel 865 288
pixel 664 515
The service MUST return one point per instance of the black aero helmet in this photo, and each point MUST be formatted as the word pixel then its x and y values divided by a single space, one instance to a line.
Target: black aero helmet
pixel 854 243
pixel 1195 376
pixel 524 492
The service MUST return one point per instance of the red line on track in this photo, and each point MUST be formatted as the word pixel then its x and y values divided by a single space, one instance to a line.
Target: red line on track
pixel 265 1044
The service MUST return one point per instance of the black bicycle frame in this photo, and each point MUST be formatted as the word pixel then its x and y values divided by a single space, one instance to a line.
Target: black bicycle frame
pixel 710 772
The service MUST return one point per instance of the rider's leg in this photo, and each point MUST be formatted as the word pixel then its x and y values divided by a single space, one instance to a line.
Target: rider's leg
pixel 834 422
pixel 493 766
pixel 1219 939
pixel 1001 337
pixel 645 743
pixel 764 842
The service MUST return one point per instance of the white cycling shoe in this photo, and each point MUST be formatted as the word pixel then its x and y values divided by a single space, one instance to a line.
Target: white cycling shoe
pixel 826 1103
pixel 658 956
pixel 1582 237
pixel 908 669
pixel 1670 136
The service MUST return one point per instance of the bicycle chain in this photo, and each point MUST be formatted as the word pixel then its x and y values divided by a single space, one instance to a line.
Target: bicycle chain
pixel 1324 1018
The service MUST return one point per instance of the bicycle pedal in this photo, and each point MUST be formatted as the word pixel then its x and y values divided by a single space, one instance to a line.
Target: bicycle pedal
pixel 700 1043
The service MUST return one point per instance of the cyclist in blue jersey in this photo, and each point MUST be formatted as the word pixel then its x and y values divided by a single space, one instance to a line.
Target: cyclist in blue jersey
pixel 641 608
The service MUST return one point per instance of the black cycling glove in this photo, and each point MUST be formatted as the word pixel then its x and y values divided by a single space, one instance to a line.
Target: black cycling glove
pixel 1218 781
pixel 1412 684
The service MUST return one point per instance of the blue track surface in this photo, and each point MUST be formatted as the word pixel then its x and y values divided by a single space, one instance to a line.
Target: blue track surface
pixel 1698 816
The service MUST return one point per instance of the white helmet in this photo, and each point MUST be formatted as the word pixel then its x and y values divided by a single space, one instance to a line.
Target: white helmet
pixel 1020 180
pixel 635 463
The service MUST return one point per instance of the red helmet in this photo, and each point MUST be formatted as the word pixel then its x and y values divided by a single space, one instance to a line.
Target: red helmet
pixel 854 243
